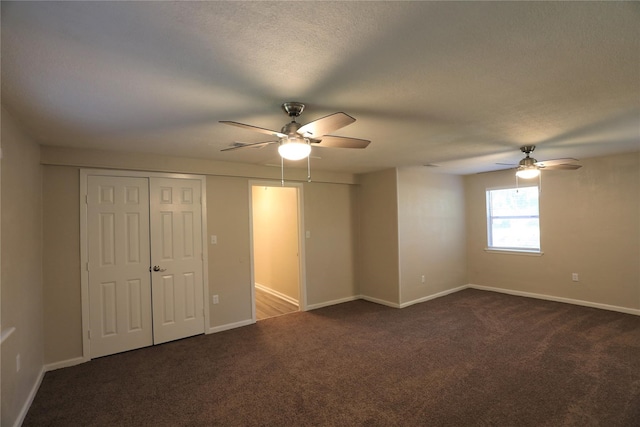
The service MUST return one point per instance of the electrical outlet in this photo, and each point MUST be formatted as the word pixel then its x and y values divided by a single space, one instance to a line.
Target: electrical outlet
pixel 423 279
pixel 214 239
pixel 215 299
pixel 18 362
pixel 574 277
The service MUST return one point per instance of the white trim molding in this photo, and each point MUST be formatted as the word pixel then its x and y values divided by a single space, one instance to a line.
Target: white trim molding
pixel 32 395
pixel 434 296
pixel 64 363
pixel 379 301
pixel 558 299
pixel 506 251
pixel 276 293
pixel 332 302
pixel 214 329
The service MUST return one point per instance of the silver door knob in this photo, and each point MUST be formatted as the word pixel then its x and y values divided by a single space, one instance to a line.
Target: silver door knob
pixel 157 268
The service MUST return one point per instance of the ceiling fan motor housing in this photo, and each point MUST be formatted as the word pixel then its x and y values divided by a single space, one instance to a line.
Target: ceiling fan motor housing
pixel 291 129
pixel 528 162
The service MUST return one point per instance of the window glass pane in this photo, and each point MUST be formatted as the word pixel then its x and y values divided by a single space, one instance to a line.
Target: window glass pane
pixel 512 218
pixel 510 202
pixel 516 233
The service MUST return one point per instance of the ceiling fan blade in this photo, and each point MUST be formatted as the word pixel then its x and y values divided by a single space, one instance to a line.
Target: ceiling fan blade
pixel 561 167
pixel 343 142
pixel 324 125
pixel 547 163
pixel 253 145
pixel 255 128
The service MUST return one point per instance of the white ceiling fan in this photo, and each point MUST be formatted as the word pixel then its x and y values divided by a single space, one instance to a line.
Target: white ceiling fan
pixel 295 140
pixel 530 167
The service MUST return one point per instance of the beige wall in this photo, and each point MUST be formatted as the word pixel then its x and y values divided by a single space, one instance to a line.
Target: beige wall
pixel 590 225
pixel 275 239
pixel 230 258
pixel 431 233
pixel 21 279
pixel 379 252
pixel 368 235
pixel 61 263
pixel 330 215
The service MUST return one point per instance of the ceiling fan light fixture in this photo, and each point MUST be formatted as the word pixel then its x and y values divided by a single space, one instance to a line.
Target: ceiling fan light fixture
pixel 292 148
pixel 528 173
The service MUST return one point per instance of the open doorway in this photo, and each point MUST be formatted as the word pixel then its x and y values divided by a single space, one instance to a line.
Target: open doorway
pixel 277 248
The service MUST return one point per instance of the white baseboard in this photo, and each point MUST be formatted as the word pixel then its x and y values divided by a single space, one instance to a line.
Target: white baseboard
pixel 276 293
pixel 228 326
pixel 415 301
pixel 32 395
pixel 65 363
pixel 332 302
pixel 558 299
pixel 380 301
pixel 434 296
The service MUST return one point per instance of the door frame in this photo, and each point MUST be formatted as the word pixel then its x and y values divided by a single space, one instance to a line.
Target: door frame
pixel 84 249
pixel 302 279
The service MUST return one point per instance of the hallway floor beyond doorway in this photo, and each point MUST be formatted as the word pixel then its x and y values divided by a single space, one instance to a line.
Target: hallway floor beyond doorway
pixel 268 305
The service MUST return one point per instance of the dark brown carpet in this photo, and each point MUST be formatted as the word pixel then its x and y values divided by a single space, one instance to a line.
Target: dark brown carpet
pixel 470 358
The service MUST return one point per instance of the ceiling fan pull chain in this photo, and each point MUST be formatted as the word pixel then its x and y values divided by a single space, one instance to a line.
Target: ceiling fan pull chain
pixel 308 169
pixel 539 183
pixel 282 171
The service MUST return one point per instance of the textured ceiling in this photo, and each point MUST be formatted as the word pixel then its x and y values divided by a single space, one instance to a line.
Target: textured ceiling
pixel 460 85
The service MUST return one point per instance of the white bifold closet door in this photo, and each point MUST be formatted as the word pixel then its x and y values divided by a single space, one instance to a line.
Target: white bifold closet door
pixel 145 262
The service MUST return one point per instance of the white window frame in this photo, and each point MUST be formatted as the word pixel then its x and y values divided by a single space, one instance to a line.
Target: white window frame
pixel 510 250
